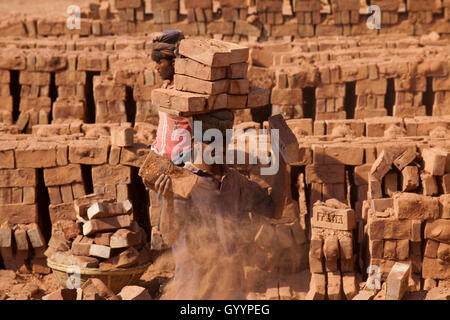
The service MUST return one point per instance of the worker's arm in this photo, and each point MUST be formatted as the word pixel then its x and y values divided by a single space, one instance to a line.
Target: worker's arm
pixel 169 226
pixel 256 199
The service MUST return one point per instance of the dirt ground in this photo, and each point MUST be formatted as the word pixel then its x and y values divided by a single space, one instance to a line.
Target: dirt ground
pixel 15 286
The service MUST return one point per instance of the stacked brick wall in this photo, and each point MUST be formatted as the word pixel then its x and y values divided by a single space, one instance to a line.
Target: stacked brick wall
pixel 241 20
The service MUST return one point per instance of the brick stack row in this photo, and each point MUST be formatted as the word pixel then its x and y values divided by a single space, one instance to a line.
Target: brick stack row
pixel 22 244
pixel 6 100
pixel 307 13
pixel 71 102
pixel 389 10
pixel 331 252
pixel 35 103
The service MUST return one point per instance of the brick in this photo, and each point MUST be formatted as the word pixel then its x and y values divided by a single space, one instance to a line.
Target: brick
pixel 381 205
pixel 81 205
pixel 61 294
pixel 100 251
pixel 187 101
pixel 371 87
pixel 111 174
pixel 325 174
pixel 349 286
pixel 317 287
pixel 410 178
pixel 124 238
pixel 7 157
pixel 197 70
pixel 337 219
pixel 446 183
pixel 361 174
pixel 376 249
pixel 257 97
pixel 134 293
pixel 381 166
pixel 67 78
pixel 123 4
pixel 18 178
pixel 63 175
pixel 402 250
pixel 286 96
pixel 185 83
pixel 237 71
pixel 397 281
pixel 431 249
pixel 434 269
pixel 5 236
pixel 389 251
pixel 70 259
pixel 92 62
pixel 343 154
pixel 124 259
pixel 62 211
pixel 444 206
pixel 389 229
pixel 20 235
pixel 416 230
pixel 287 142
pixel 66 193
pixel 18 213
pixel 334 284
pixel 87 152
pixel 37 240
pixel 435 161
pixel 36 156
pixel 330 91
pixel 95 289
pixel 443 252
pixel 107 210
pixel 417 207
pixel 122 137
pixel 106 224
pixel 438 230
pixel 390 184
pixel 208 52
pixel 429 184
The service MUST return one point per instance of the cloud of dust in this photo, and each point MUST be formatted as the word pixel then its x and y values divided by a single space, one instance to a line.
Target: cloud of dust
pixel 209 256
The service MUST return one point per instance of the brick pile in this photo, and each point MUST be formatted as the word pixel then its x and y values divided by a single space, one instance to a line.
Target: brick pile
pixel 104 236
pixel 395 222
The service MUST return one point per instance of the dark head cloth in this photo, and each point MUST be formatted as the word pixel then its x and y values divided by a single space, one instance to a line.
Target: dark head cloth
pixel 165 44
pixel 222 120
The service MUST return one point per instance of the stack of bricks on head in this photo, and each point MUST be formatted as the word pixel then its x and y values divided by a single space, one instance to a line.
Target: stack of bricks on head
pixel 210 75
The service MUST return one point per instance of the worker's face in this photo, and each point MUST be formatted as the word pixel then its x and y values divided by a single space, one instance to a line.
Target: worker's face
pixel 165 69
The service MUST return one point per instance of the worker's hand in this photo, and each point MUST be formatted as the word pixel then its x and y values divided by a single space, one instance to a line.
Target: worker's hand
pixel 165 84
pixel 163 186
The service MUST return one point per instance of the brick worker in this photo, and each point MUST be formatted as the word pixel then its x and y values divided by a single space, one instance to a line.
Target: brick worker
pixel 164 52
pixel 206 230
pixel 221 198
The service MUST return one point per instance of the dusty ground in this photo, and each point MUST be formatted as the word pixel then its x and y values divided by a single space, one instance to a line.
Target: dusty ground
pixel 15 286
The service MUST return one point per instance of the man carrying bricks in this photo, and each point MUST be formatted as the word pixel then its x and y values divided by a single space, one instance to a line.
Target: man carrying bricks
pixel 164 53
pixel 207 229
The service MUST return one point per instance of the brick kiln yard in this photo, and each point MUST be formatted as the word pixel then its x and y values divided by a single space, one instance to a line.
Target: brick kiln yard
pixel 364 120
